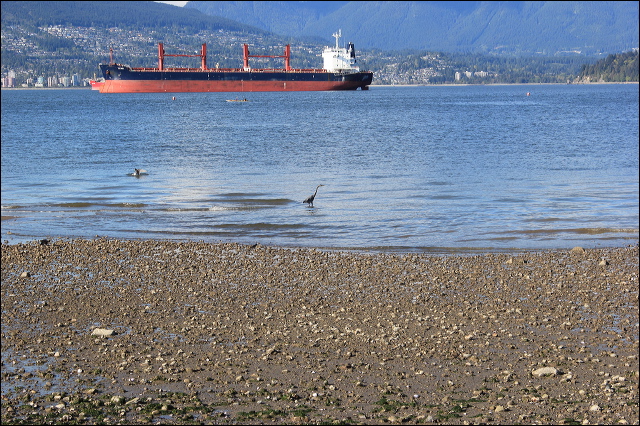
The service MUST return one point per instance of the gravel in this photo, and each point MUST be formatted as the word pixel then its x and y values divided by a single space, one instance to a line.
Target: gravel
pixel 126 332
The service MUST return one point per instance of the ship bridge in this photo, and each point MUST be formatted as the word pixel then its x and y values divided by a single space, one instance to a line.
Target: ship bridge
pixel 340 59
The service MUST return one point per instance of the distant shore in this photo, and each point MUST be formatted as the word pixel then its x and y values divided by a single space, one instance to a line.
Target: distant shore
pixel 130 332
pixel 506 84
pixel 387 85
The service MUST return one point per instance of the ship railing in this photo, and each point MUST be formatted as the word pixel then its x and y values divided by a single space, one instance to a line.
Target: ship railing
pixel 187 69
pixel 282 70
pixel 292 70
pixel 309 70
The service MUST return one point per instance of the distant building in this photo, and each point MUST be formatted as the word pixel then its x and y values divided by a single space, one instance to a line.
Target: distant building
pixel 9 80
pixel 469 74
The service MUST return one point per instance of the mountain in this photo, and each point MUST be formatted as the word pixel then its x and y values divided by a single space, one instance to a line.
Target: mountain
pixel 44 40
pixel 490 27
pixel 104 14
pixel 281 17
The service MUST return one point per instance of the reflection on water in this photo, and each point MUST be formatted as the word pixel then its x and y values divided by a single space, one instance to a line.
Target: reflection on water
pixel 411 168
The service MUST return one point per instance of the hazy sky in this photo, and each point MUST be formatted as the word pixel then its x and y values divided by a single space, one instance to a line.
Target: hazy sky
pixel 175 3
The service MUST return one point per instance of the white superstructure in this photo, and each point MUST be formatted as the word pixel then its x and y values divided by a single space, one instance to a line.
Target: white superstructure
pixel 340 59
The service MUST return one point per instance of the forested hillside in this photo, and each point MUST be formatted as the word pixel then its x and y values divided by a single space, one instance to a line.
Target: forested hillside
pixel 619 67
pixel 132 14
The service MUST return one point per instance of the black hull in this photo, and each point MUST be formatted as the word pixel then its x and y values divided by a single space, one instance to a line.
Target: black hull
pixel 122 79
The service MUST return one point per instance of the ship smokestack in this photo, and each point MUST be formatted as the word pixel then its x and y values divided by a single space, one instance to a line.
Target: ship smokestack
pixel 352 51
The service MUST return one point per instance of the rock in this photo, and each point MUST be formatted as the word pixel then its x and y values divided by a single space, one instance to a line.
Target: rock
pixel 132 401
pixel 103 332
pixel 25 274
pixel 545 371
pixel 577 250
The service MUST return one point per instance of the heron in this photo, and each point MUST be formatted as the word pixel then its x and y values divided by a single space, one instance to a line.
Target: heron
pixel 310 199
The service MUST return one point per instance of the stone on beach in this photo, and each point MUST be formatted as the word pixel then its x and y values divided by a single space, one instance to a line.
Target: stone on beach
pixel 104 332
pixel 545 371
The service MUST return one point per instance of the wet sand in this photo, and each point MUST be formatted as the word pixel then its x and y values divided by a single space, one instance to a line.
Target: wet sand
pixel 129 332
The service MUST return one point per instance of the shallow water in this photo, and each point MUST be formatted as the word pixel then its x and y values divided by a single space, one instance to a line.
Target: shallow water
pixel 405 168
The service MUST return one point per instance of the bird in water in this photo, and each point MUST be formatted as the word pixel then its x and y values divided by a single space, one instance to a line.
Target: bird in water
pixel 136 172
pixel 310 199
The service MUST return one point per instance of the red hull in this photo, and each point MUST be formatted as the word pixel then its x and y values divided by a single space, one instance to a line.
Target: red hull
pixel 168 86
pixel 96 85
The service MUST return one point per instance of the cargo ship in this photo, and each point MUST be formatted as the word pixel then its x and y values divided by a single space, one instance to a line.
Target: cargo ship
pixel 339 72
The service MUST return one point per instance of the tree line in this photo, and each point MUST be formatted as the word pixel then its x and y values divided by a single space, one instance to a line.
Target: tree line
pixel 617 67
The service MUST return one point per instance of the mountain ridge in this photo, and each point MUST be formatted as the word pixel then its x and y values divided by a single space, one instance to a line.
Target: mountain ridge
pixel 488 27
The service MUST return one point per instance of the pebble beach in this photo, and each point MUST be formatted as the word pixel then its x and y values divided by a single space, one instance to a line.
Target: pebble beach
pixel 108 331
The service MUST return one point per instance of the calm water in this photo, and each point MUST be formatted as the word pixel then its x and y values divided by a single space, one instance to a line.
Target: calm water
pixel 405 168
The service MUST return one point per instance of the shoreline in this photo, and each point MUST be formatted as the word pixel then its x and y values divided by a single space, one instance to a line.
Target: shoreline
pixel 225 333
pixel 11 239
pixel 389 85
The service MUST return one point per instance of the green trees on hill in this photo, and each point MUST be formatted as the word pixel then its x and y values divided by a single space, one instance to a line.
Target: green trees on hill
pixel 135 14
pixel 618 67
